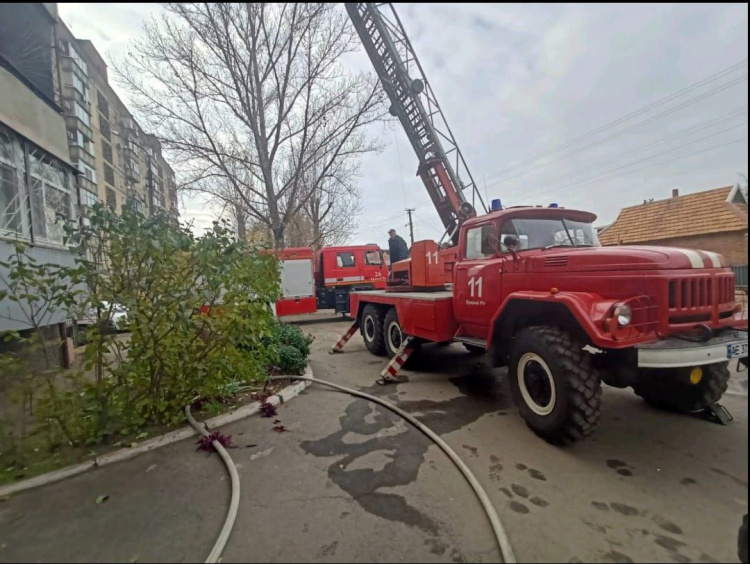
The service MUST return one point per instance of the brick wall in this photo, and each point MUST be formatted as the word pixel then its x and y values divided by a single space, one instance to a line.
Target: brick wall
pixel 732 245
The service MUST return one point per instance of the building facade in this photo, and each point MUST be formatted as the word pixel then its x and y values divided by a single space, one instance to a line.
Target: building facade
pixel 38 190
pixel 66 142
pixel 119 163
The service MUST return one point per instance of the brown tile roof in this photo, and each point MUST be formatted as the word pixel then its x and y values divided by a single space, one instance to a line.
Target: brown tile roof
pixel 692 214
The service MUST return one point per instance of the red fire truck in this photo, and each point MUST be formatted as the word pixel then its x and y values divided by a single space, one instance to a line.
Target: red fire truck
pixel 532 287
pixel 322 280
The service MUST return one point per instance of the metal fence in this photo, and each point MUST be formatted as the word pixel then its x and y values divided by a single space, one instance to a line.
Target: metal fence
pixel 740 276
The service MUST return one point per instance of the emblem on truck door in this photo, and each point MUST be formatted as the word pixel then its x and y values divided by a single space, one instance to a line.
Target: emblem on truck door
pixel 475 291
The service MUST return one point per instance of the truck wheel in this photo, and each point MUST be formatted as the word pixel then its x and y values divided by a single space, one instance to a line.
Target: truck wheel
pixel 372 329
pixel 683 390
pixel 394 336
pixel 554 385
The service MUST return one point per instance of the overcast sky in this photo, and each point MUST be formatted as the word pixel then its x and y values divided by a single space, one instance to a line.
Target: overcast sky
pixel 517 81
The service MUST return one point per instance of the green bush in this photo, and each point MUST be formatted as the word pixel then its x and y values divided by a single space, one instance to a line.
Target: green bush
pixel 162 274
pixel 293 336
pixel 288 348
pixel 291 360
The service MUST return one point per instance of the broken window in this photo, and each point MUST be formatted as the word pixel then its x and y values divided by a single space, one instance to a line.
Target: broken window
pixel 49 192
pixel 50 197
pixel 11 183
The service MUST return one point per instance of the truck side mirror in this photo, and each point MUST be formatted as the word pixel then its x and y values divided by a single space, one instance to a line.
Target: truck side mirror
pixel 510 242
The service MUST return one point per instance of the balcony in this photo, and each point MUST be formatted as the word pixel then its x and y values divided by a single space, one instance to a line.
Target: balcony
pixel 78 153
pixel 77 116
pixel 132 170
pixel 130 149
pixel 88 198
pixel 74 64
pixel 86 184
pixel 129 125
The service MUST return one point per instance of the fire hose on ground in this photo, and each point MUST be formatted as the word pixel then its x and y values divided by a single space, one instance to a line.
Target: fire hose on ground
pixel 497 526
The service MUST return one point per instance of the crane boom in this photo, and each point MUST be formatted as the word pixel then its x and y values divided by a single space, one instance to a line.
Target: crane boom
pixel 416 107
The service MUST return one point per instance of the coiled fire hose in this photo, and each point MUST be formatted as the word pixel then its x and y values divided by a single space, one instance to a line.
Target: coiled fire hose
pixel 497 527
pixel 234 504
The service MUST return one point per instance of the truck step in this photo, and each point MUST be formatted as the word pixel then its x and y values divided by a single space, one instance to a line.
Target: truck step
pixel 472 341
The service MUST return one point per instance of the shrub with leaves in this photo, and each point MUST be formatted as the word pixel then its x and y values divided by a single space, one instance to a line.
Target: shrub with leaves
pixel 293 336
pixel 291 360
pixel 163 275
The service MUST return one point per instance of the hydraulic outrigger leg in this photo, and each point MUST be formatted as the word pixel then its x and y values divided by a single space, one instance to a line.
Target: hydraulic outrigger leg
pixel 337 348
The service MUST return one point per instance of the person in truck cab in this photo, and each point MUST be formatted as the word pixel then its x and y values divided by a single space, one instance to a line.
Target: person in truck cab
pixel 397 247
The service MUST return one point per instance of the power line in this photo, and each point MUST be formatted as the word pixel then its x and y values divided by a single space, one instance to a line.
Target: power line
pixel 627 129
pixel 531 195
pixel 627 117
pixel 650 166
pixel 679 134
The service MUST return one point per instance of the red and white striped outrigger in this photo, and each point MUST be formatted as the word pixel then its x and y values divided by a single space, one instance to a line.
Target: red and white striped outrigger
pixel 337 348
pixel 388 375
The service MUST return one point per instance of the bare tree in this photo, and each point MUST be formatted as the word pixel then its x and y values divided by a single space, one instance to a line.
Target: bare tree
pixel 330 214
pixel 251 99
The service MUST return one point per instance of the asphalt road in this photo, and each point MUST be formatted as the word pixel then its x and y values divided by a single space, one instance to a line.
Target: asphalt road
pixel 351 482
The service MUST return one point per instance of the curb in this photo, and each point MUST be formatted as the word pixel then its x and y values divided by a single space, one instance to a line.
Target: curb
pixel 157 442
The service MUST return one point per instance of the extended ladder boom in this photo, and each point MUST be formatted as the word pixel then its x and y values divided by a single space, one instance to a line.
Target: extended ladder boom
pixel 416 107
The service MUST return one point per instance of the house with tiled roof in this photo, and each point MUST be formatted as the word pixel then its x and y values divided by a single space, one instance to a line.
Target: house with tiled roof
pixel 713 220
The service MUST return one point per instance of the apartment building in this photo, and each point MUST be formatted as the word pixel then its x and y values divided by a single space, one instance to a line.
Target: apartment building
pixel 38 191
pixel 66 141
pixel 119 163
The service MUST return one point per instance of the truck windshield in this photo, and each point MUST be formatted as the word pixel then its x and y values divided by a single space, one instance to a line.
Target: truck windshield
pixel 548 232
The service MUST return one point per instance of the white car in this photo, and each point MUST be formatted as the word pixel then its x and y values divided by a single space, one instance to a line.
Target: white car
pixel 118 317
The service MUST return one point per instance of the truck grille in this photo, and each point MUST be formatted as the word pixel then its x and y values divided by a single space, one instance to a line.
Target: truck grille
pixel 693 299
pixel 690 293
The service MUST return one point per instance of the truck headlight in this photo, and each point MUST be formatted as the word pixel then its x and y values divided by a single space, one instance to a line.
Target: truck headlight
pixel 623 314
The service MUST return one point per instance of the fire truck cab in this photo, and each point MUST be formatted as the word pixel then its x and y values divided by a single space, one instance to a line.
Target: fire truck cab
pixel 313 280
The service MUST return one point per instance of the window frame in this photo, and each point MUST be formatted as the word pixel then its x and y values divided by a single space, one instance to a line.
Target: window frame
pixel 342 265
pixel 37 173
pixel 22 209
pixel 375 253
pixel 59 180
pixel 492 227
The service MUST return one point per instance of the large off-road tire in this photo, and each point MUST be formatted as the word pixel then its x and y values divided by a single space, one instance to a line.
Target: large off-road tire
pixel 392 333
pixel 554 384
pixel 371 327
pixel 394 336
pixel 672 390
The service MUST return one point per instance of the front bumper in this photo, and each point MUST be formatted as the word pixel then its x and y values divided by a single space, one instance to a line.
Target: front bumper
pixel 677 353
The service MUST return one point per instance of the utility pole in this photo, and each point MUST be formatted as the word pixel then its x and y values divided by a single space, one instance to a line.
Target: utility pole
pixel 411 225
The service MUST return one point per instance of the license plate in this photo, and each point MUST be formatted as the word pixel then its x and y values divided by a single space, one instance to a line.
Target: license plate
pixel 736 350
